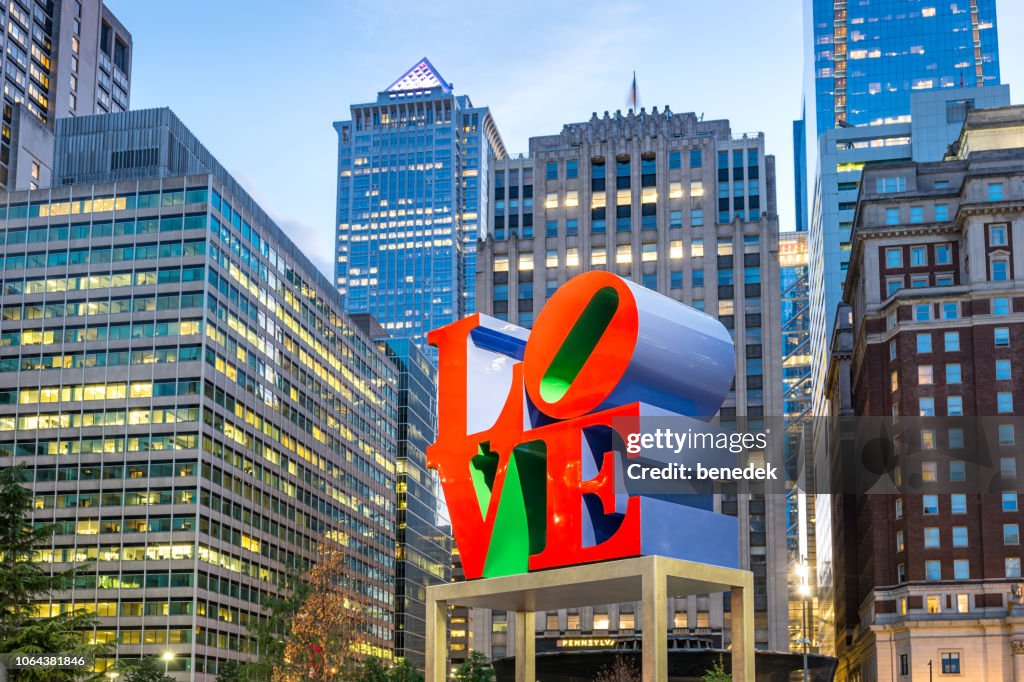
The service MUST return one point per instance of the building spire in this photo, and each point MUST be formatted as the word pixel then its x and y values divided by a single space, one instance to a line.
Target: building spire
pixel 633 98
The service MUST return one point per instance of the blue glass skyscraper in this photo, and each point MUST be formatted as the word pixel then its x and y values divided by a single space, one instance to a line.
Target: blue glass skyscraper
pixel 869 56
pixel 412 199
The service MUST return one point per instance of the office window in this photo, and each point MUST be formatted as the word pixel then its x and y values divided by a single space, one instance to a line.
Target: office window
pixel 956 438
pixel 904 663
pixel 958 503
pixel 697 217
pixel 697 278
pixel 950 663
pixel 551 200
pixel 1011 534
pixel 1001 306
pixel 1002 369
pixel 901 573
pixel 926 407
pixel 648 252
pixel 924 343
pixel 918 281
pixel 951 341
pixel 1012 567
pixel 943 280
pixel 941 212
pixel 599 257
pixel 893 258
pixel 922 312
pixel 696 189
pixel 1008 467
pixel 892 216
pixel 1002 336
pixel 696 158
pixel 676 280
pixel 900 544
pixel 572 227
pixel 899 508
pixel 960 536
pixel 526 261
pixel 995 191
pixel 957 470
pixel 933 603
pixel 892 350
pixel 894 381
pixel 932 570
pixel 623 254
pixel 950 310
pixel 917 214
pixel 1006 434
pixel 997 235
pixel 572 199
pixel 892 285
pixel 890 185
pixel 551 259
pixel 675 218
pixel 930 504
pixel 931 538
pixel 928 443
pixel 572 168
pixel 961 567
pixel 1009 502
pixel 551 170
pixel 962 603
pixel 953 374
pixel 627 621
pixel 954 406
pixel 1004 402
pixel 551 228
pixel 918 256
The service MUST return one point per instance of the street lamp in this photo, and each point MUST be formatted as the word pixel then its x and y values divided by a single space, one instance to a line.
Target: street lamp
pixel 167 657
pixel 803 572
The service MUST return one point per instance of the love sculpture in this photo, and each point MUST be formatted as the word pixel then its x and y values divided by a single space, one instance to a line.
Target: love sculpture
pixel 531 424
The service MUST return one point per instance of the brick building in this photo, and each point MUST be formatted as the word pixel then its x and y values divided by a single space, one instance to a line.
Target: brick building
pixel 927 576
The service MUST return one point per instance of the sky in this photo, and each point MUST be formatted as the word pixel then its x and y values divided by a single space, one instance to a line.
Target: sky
pixel 260 83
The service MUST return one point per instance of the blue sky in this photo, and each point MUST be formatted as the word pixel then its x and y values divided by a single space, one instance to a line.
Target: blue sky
pixel 261 82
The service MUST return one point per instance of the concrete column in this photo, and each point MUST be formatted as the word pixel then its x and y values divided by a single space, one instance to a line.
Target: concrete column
pixel 743 633
pixel 655 622
pixel 1017 649
pixel 436 667
pixel 526 647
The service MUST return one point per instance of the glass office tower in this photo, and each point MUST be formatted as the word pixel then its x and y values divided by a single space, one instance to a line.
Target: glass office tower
pixel 869 56
pixel 195 411
pixel 412 200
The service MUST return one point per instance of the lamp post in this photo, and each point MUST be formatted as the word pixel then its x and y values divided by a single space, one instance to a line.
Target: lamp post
pixel 805 592
pixel 167 657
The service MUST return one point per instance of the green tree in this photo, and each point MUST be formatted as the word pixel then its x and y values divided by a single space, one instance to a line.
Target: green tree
pixel 229 671
pixel 404 671
pixel 271 631
pixel 24 582
pixel 147 670
pixel 476 668
pixel 372 670
pixel 717 672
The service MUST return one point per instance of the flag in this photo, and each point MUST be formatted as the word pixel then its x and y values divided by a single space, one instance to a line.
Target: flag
pixel 633 98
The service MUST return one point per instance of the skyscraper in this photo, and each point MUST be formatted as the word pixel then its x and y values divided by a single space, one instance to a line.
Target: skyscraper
pixel 927 572
pixel 412 200
pixel 63 58
pixel 196 412
pixel 686 208
pixel 864 65
pixel 423 533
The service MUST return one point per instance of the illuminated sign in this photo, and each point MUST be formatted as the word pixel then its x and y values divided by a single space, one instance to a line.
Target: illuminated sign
pixel 585 643
pixel 528 424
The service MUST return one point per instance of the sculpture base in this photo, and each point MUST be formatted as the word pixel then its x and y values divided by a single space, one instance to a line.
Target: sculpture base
pixel 651 580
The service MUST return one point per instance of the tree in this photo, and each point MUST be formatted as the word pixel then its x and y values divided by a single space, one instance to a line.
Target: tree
pixel 476 668
pixel 271 631
pixel 404 671
pixel 229 671
pixel 717 672
pixel 373 670
pixel 621 670
pixel 148 670
pixel 24 582
pixel 326 627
